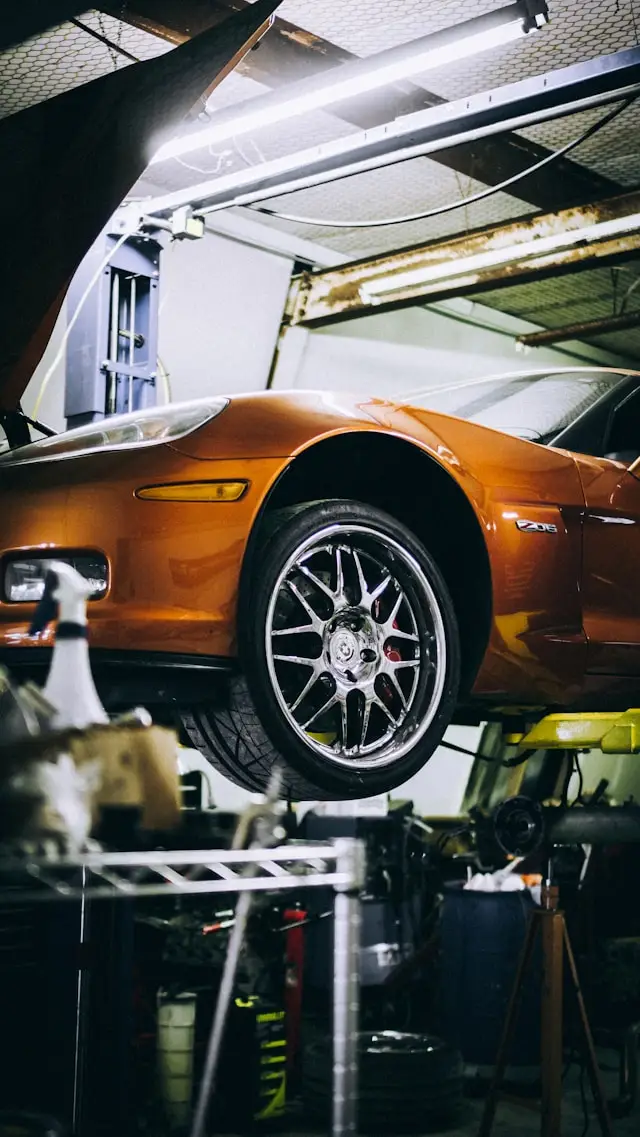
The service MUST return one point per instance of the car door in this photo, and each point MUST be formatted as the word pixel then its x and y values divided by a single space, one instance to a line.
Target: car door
pixel 611 545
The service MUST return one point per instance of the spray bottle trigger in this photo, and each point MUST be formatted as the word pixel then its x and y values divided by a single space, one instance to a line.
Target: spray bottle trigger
pixel 47 609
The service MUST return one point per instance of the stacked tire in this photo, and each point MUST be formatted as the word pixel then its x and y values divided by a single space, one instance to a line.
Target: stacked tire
pixel 407 1083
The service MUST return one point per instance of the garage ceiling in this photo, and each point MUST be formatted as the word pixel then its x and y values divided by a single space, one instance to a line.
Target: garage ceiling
pixel 367 26
pixel 67 56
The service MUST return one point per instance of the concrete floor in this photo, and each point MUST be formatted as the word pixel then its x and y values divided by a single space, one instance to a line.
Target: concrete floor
pixel 512 1121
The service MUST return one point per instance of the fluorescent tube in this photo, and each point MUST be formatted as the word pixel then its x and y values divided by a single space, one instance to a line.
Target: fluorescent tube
pixel 351 80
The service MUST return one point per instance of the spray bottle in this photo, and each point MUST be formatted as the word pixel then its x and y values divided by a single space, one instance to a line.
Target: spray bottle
pixel 69 687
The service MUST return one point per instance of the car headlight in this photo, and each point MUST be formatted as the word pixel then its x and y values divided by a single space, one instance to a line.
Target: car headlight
pixel 23 580
pixel 150 427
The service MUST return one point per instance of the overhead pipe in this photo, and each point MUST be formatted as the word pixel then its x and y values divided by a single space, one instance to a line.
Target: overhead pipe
pixel 582 330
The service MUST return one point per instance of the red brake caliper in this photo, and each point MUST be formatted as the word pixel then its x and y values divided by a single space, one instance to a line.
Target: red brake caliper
pixel 393 655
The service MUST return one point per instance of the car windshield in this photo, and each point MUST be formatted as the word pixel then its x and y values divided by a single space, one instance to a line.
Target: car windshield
pixel 533 405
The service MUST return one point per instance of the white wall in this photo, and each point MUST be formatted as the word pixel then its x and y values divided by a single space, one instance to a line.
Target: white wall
pixel 438 789
pixel 221 304
pixel 404 351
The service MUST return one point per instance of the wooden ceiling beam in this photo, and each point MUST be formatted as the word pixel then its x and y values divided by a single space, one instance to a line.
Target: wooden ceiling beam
pixel 531 248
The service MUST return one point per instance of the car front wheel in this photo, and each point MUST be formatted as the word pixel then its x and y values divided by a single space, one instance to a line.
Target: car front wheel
pixel 350 658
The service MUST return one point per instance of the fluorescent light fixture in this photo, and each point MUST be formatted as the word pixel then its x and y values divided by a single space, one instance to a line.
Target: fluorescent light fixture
pixel 360 78
pixel 414 278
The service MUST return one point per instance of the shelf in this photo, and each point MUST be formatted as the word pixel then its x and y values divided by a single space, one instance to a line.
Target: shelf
pixel 95 876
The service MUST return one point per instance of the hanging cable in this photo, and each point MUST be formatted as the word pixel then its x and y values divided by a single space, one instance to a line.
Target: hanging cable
pixel 578 798
pixel 630 290
pixel 437 211
pixel 199 169
pixel 107 42
pixel 166 381
pixel 72 322
pixel 508 762
pixel 564 797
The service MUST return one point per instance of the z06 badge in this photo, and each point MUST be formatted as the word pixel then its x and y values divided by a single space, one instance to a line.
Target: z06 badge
pixel 537 526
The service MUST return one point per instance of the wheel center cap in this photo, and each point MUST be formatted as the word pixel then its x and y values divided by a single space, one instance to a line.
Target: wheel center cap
pixel 343 648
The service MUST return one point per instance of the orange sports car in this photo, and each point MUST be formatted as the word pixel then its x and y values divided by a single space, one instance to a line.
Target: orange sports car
pixel 328 581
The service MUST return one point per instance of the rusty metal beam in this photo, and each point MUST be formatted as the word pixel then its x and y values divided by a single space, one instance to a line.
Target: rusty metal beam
pixel 495 257
pixel 585 329
pixel 291 54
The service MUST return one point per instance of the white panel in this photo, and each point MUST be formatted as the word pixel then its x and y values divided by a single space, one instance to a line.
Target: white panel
pixel 220 312
pixel 438 789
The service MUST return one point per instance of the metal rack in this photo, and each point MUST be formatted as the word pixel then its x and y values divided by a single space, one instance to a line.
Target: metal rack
pixel 338 865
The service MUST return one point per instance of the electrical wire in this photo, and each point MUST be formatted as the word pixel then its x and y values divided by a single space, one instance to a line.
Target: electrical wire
pixel 578 799
pixel 72 322
pixel 166 380
pixel 438 210
pixel 630 290
pixel 564 797
pixel 241 154
pixel 508 762
pixel 199 169
pixel 220 158
pixel 107 42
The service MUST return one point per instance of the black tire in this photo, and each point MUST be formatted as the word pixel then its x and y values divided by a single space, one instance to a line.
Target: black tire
pixel 405 1082
pixel 253 731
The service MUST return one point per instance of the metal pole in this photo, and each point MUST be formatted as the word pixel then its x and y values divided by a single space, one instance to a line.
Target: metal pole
pixel 81 1011
pixel 346 987
pixel 583 329
pixel 225 995
pixel 132 341
pixel 552 923
pixel 114 342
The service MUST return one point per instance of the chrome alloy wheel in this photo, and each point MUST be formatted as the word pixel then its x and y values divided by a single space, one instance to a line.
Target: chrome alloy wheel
pixel 356 646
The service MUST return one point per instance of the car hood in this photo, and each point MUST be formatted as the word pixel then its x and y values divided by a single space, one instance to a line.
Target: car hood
pixel 284 423
pixel 279 424
pixel 69 161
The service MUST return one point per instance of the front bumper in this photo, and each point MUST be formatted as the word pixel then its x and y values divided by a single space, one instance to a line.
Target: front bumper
pixel 174 567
